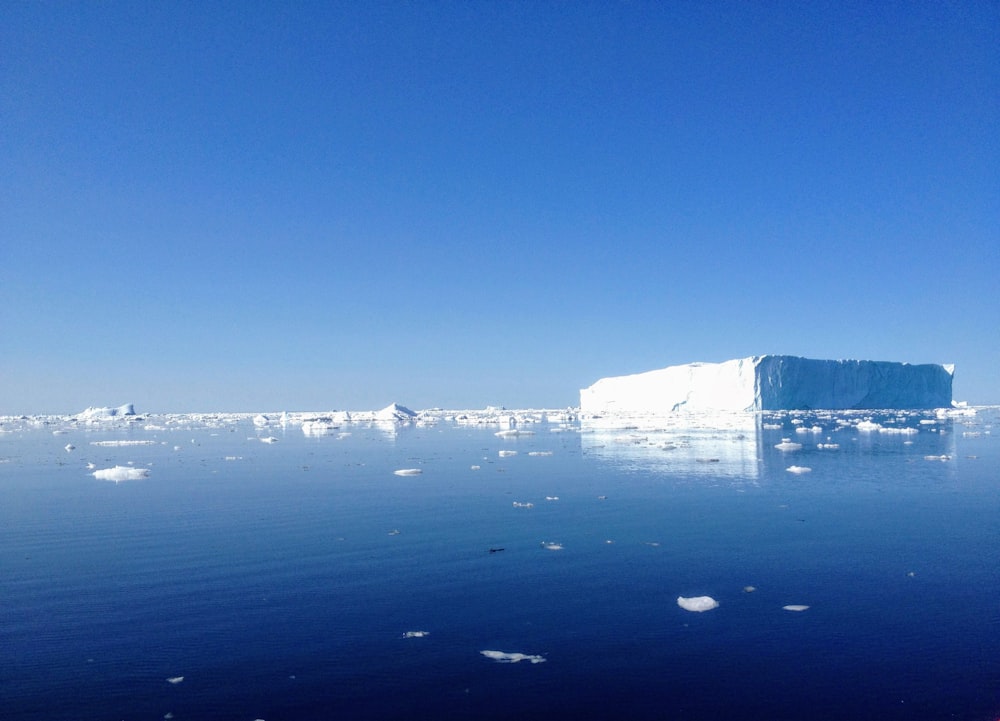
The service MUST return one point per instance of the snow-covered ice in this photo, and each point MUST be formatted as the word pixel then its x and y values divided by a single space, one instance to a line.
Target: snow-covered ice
pixel 505 657
pixel 698 604
pixel 773 382
pixel 121 473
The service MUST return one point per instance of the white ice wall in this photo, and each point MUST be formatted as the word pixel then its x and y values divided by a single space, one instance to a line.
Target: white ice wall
pixel 772 383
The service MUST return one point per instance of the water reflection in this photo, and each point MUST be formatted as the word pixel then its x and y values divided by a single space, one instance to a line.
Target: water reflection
pixel 745 446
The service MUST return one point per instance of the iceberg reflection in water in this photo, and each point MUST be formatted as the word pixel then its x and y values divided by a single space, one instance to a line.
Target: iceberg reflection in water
pixel 640 568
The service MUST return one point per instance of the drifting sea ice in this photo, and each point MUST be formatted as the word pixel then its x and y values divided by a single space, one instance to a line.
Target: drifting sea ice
pixel 697 604
pixel 121 473
pixel 408 472
pixel 504 657
pixel 799 470
pixel 787 445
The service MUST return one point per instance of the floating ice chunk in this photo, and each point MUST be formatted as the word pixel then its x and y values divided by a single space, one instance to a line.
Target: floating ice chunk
pixel 549 546
pixel 395 413
pixel 69 447
pixel 408 472
pixel 513 433
pixel 506 454
pixel 416 634
pixel 474 468
pixel 552 498
pixel 787 445
pixel 319 427
pixel 175 679
pixel 937 458
pixel 121 473
pixel 540 453
pixel 795 607
pixel 269 439
pixel 868 426
pixel 799 470
pixel 261 420
pixel 828 446
pixel 123 443
pixel 697 603
pixel 504 657
pixel 518 504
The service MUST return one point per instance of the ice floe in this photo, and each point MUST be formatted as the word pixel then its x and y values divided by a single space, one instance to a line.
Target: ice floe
pixel 121 473
pixel 787 445
pixel 115 444
pixel 505 657
pixel 175 679
pixel 697 604
pixel 507 454
pixel 416 634
pixel 795 607
pixel 799 470
pixel 549 546
pixel 408 472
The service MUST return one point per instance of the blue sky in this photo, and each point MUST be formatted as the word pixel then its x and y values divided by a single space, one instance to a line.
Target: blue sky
pixel 304 206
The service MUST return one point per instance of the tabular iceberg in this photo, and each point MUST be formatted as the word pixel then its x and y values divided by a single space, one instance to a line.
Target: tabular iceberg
pixel 773 382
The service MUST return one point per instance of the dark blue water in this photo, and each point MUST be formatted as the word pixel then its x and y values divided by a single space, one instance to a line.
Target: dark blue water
pixel 281 584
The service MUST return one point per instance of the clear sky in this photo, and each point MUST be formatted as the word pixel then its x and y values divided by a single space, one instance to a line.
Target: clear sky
pixel 308 206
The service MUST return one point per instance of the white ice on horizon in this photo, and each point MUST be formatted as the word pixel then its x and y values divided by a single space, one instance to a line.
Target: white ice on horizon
pixel 515 657
pixel 697 604
pixel 121 473
pixel 772 382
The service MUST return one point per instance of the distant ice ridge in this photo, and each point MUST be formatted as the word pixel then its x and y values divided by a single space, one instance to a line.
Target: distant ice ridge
pixel 773 382
pixel 103 414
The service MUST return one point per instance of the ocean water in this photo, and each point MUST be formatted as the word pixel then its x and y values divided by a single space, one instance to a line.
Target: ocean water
pixel 246 580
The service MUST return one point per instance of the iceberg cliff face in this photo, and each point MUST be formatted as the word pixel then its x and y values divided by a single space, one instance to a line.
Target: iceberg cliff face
pixel 773 382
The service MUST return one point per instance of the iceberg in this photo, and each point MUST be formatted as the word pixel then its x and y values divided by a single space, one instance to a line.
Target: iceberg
pixel 697 604
pixel 771 383
pixel 515 657
pixel 121 473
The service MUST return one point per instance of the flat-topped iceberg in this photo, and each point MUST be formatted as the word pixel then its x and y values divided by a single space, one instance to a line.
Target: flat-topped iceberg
pixel 773 382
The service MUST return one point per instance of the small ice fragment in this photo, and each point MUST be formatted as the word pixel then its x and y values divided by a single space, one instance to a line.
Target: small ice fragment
pixel 697 603
pixel 408 472
pixel 394 532
pixel 269 439
pixel 749 589
pixel 175 679
pixel 504 657
pixel 799 470
pixel 552 546
pixel 539 453
pixel 787 445
pixel 795 607
pixel 474 468
pixel 513 433
pixel 506 454
pixel 518 504
pixel 552 498
pixel 69 447
pixel 937 458
pixel 416 634
pixel 121 473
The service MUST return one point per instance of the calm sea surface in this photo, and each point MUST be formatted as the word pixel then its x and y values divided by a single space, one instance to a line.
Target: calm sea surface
pixel 288 580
